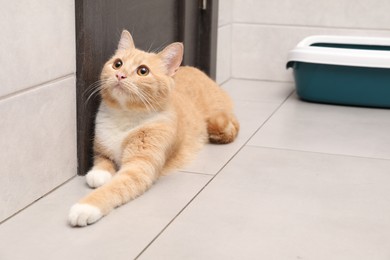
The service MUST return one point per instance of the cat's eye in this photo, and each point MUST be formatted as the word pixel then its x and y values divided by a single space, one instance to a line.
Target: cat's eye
pixel 117 64
pixel 142 70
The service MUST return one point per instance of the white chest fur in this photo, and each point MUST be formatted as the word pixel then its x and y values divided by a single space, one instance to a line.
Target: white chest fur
pixel 113 126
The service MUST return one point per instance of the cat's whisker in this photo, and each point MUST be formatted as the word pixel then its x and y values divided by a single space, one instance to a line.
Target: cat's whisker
pixel 141 97
pixel 91 95
pixel 94 92
pixel 150 99
pixel 94 85
pixel 95 88
pixel 146 102
pixel 91 88
pixel 159 48
pixel 150 47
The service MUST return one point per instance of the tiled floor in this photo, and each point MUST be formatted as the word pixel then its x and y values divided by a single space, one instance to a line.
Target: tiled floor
pixel 302 181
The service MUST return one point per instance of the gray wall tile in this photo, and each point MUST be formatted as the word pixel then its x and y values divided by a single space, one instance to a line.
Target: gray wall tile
pixel 342 13
pixel 37 42
pixel 260 51
pixel 224 53
pixel 38 144
pixel 225 12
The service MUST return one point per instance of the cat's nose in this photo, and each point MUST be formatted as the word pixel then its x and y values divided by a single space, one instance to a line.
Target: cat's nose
pixel 120 76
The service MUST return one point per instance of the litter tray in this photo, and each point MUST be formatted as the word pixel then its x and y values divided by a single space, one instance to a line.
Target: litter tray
pixel 342 70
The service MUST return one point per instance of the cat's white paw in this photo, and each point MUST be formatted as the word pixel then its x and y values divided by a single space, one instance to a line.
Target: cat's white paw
pixel 84 214
pixel 96 178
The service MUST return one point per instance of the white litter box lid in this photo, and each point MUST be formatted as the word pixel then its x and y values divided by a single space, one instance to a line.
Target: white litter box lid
pixel 306 52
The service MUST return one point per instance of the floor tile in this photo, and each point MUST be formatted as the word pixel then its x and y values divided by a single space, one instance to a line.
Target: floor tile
pixel 214 156
pixel 278 204
pixel 251 114
pixel 41 231
pixel 299 125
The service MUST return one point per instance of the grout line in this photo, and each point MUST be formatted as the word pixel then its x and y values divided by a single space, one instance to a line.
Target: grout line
pixel 41 197
pixel 316 152
pixel 174 218
pixel 231 52
pixel 34 87
pixel 309 26
pixel 223 82
pixel 258 129
pixel 224 25
pixel 212 178
pixel 197 173
pixel 265 80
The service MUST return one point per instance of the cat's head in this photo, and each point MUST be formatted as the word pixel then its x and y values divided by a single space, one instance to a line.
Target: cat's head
pixel 134 79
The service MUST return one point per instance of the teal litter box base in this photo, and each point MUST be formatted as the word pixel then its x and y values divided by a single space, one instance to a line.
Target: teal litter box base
pixel 345 85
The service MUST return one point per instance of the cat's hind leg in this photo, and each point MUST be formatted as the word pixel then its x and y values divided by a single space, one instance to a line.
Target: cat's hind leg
pixel 222 127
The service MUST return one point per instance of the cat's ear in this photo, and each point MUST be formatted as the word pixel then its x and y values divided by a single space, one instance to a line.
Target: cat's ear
pixel 172 56
pixel 126 42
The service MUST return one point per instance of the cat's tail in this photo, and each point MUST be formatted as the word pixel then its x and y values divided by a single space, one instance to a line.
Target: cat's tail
pixel 222 127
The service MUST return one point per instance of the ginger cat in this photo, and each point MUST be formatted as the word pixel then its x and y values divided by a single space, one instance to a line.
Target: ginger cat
pixel 153 117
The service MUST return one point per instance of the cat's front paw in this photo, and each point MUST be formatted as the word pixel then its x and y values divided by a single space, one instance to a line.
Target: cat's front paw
pixel 84 214
pixel 96 178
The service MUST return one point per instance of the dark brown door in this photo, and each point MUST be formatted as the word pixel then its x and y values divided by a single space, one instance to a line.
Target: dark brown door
pixel 153 24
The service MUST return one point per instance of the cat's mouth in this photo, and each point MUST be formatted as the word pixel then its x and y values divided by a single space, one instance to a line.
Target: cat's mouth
pixel 119 86
pixel 123 90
